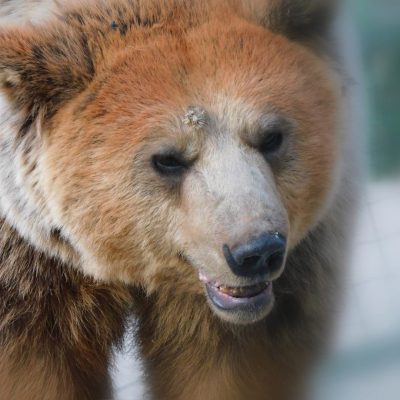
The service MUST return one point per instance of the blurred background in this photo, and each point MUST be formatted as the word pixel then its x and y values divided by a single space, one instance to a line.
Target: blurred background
pixel 365 363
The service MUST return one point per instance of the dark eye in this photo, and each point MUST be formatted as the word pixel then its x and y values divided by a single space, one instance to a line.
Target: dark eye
pixel 271 143
pixel 169 164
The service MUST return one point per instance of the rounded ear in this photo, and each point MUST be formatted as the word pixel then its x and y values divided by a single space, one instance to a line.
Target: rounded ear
pixel 303 20
pixel 40 70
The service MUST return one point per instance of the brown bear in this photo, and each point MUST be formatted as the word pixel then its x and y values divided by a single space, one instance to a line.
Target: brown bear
pixel 181 161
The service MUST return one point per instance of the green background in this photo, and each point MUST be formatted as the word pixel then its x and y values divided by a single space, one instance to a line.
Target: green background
pixel 378 26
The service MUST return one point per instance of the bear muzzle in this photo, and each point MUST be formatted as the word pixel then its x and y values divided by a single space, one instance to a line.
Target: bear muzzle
pixel 257 264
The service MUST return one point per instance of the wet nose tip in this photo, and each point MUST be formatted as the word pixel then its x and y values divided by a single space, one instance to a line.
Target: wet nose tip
pixel 263 255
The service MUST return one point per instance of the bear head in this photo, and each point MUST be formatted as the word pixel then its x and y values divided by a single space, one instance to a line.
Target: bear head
pixel 191 145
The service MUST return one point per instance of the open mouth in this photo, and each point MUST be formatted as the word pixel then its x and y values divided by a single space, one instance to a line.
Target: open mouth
pixel 231 298
pixel 241 304
pixel 241 292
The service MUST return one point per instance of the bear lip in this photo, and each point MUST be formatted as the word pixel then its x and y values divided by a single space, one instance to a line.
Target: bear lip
pixel 241 292
pixel 238 298
pixel 258 300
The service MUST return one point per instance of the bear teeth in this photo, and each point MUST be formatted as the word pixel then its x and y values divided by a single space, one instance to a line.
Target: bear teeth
pixel 243 291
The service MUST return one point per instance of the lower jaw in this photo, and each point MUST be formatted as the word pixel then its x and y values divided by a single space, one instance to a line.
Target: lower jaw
pixel 241 310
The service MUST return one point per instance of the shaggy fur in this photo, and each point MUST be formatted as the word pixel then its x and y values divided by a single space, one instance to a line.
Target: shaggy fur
pixel 57 327
pixel 90 232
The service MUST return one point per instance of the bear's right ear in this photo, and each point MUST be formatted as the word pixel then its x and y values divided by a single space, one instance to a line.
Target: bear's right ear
pixel 40 70
pixel 301 20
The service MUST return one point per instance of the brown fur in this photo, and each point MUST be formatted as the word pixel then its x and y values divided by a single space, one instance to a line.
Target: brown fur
pixel 92 94
pixel 57 327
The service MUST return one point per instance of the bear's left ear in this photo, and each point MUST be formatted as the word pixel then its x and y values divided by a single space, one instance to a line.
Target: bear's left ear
pixel 41 70
pixel 302 20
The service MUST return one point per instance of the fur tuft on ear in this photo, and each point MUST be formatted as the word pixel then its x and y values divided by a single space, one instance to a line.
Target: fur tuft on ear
pixel 304 20
pixel 40 70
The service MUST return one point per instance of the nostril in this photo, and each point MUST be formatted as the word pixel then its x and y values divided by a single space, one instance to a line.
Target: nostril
pixel 275 261
pixel 233 264
pixel 249 262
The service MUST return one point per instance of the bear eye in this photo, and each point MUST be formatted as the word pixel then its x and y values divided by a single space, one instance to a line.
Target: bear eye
pixel 271 143
pixel 169 164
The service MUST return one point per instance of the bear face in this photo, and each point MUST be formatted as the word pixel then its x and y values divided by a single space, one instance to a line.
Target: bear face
pixel 160 153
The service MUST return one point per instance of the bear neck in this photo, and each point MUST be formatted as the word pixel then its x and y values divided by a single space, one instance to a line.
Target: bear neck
pixel 180 338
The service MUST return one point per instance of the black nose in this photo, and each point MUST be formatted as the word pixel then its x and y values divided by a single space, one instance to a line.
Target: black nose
pixel 261 256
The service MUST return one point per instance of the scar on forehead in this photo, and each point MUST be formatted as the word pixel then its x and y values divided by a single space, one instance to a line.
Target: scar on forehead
pixel 195 117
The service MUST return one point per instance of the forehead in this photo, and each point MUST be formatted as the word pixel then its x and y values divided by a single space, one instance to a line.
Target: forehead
pixel 238 72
